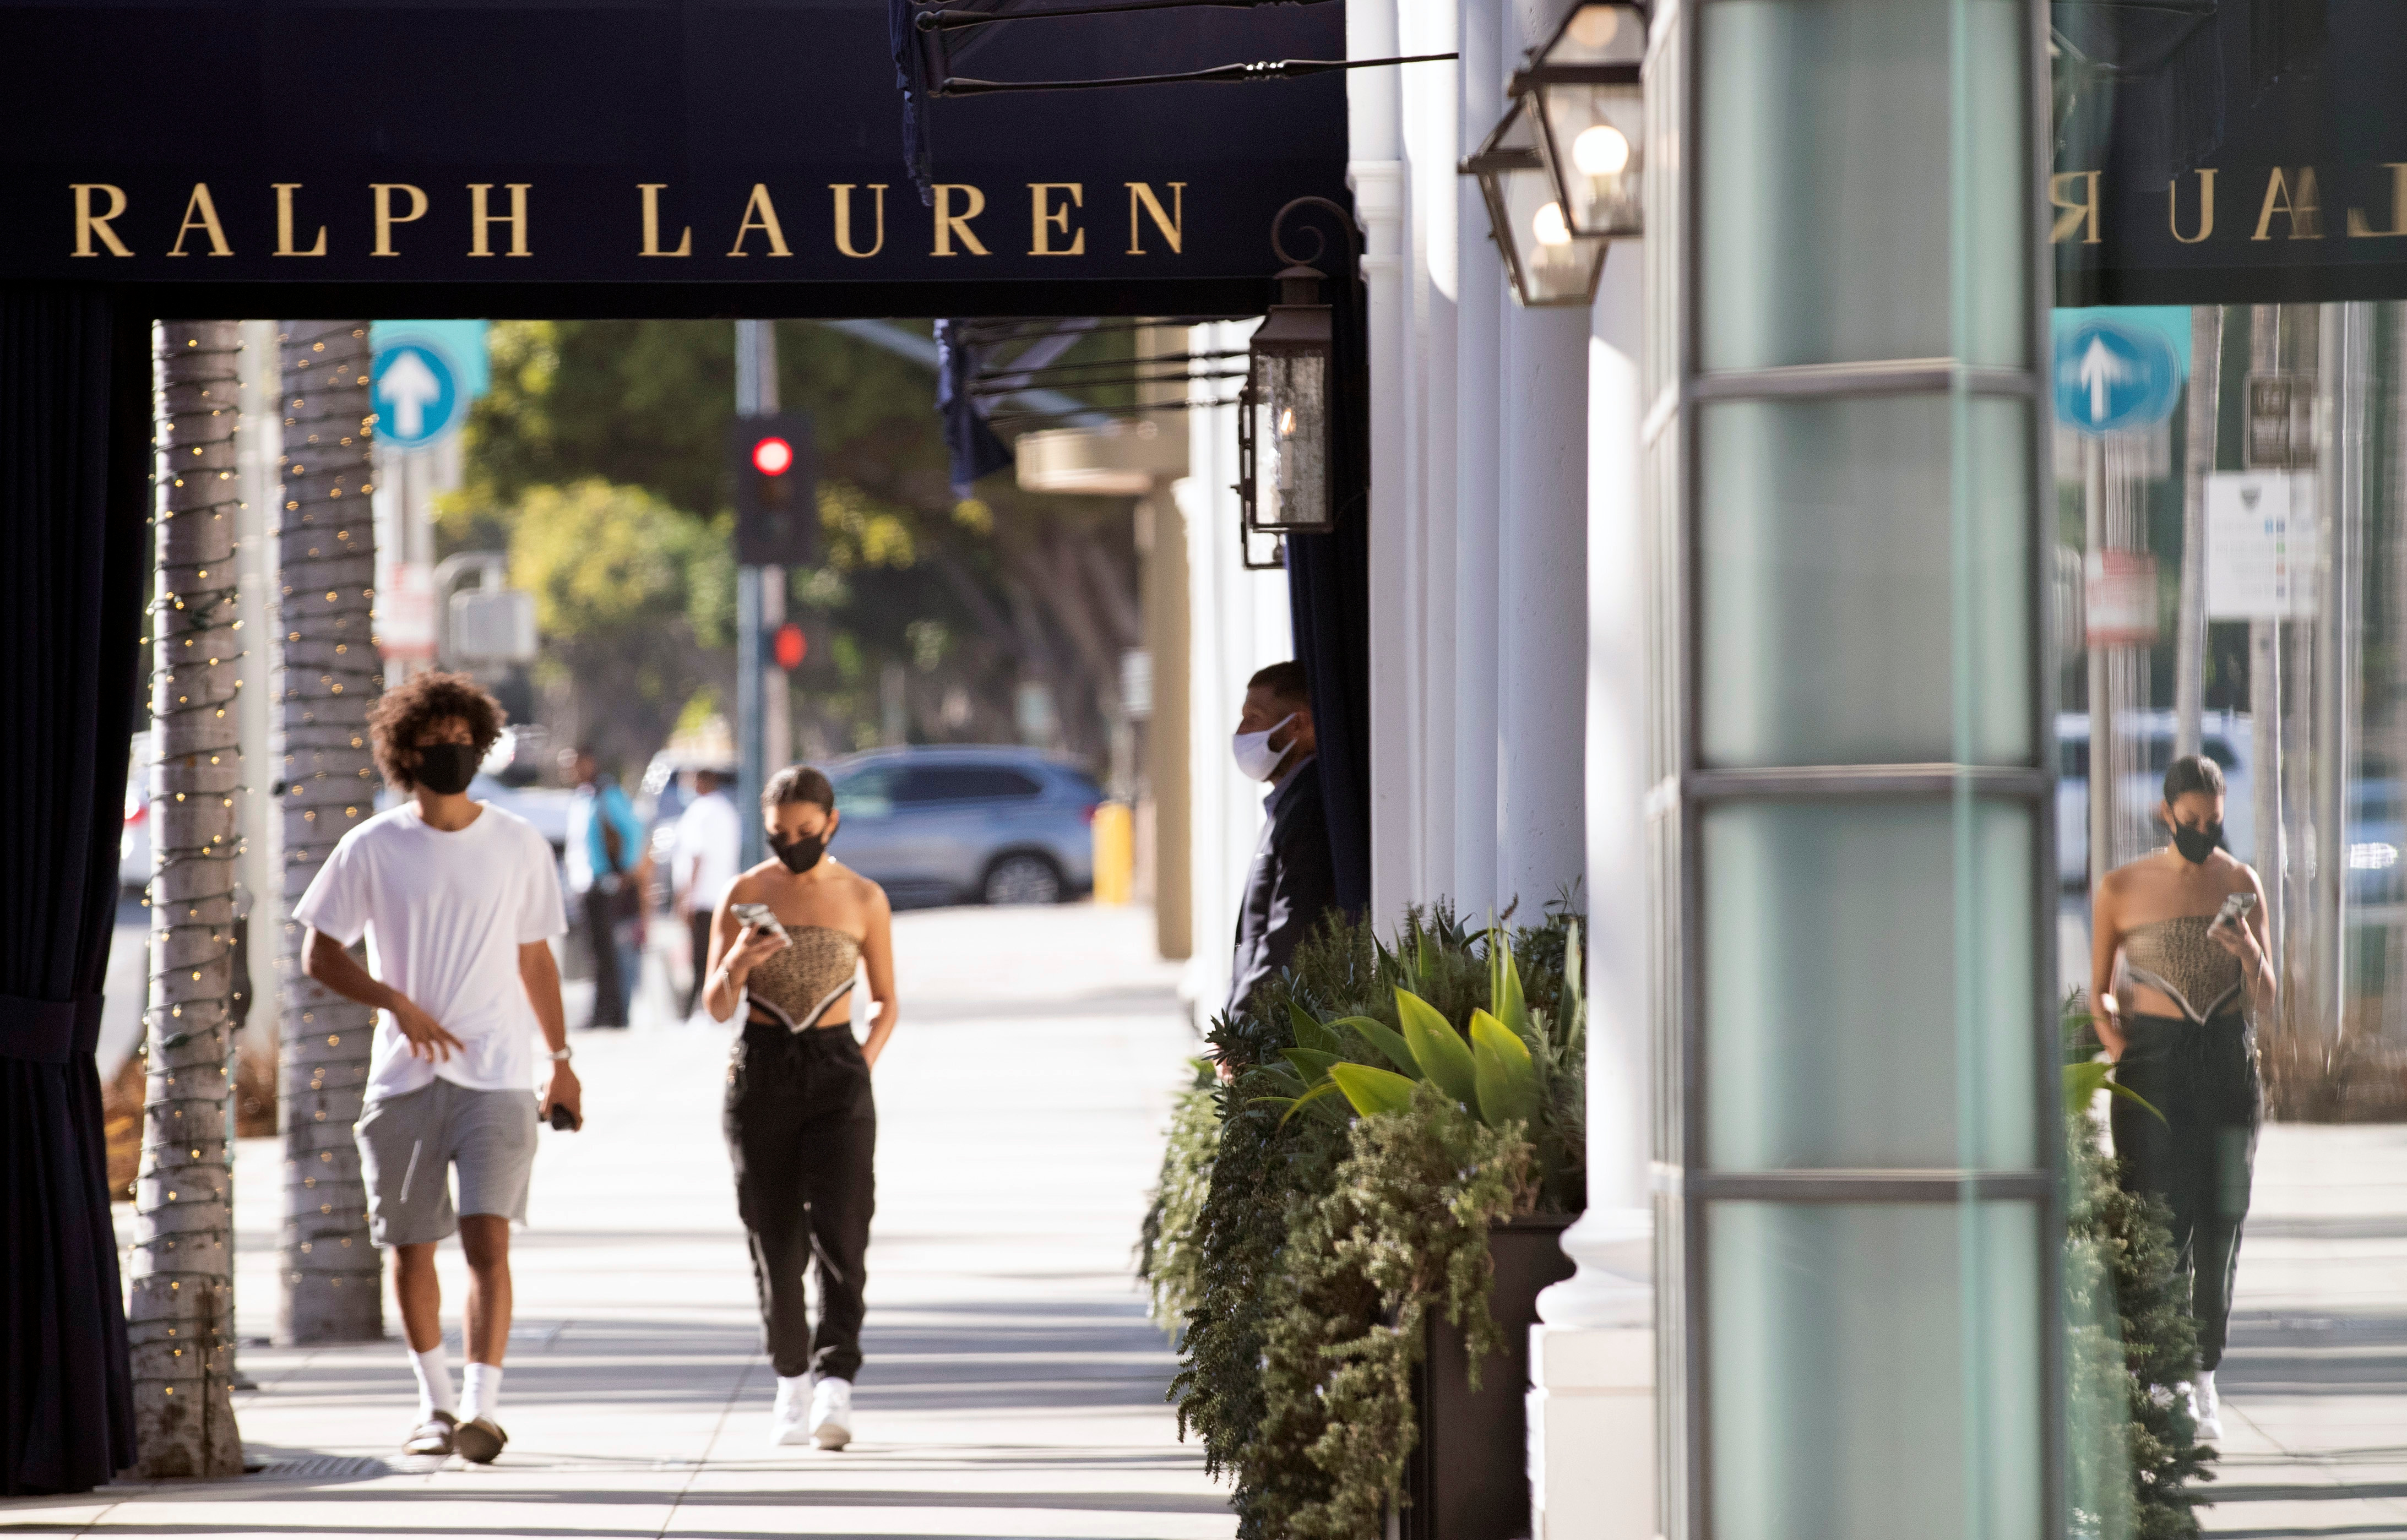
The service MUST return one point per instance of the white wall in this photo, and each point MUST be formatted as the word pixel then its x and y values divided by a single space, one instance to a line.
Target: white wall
pixel 1238 624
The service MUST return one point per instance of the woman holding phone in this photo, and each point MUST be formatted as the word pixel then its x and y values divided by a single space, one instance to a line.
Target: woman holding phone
pixel 801 1126
pixel 2186 925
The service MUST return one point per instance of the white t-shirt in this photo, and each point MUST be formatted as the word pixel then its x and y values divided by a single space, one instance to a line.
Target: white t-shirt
pixel 445 913
pixel 709 843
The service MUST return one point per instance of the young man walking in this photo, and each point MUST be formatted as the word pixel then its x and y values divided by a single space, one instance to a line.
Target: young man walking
pixel 459 902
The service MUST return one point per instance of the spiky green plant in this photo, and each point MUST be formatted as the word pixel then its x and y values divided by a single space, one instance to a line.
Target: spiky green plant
pixel 1258 1264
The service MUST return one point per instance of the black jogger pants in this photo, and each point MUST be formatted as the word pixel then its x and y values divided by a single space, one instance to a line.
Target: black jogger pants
pixel 801 1131
pixel 2200 1155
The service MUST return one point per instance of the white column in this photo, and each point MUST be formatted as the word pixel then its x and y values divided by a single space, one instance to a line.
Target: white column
pixel 1430 93
pixel 1541 608
pixel 1591 1405
pixel 1376 177
pixel 1477 319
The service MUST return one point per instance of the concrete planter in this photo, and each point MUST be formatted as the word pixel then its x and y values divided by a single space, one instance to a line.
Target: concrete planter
pixel 1468 1478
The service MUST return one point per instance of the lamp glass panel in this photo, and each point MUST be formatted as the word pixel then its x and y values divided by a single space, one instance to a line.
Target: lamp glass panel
pixel 1554 265
pixel 1291 440
pixel 1864 1004
pixel 1601 34
pixel 1595 136
pixel 1874 1371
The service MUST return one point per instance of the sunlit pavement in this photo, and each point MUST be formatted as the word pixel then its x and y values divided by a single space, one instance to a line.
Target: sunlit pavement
pixel 2314 1379
pixel 1013 1386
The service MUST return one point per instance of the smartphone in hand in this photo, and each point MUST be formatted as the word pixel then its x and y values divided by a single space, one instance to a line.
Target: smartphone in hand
pixel 759 917
pixel 564 1119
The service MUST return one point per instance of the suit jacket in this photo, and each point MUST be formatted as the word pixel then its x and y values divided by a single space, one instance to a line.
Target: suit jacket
pixel 1292 886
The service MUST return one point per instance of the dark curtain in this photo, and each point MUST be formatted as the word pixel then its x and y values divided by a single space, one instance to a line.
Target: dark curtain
pixel 1328 603
pixel 75 415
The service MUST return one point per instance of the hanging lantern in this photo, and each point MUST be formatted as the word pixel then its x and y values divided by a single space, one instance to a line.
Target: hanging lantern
pixel 1285 407
pixel 1589 113
pixel 1549 262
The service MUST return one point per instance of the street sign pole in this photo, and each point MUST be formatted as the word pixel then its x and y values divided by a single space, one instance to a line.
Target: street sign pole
pixel 761 730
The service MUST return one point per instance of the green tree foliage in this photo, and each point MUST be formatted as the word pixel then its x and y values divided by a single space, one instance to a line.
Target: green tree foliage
pixel 632 595
pixel 969 599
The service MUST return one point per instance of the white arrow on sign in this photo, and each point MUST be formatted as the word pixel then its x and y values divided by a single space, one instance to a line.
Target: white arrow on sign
pixel 411 387
pixel 2100 368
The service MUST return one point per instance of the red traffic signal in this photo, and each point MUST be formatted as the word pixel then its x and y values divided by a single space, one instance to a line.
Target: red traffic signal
pixel 773 456
pixel 776 497
pixel 789 647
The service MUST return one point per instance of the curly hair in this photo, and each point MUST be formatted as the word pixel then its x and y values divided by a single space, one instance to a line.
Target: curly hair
pixel 405 710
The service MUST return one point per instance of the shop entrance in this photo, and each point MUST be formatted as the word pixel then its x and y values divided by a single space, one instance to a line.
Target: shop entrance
pixel 673 162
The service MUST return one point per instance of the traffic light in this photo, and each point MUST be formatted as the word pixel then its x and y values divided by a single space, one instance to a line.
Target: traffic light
pixel 776 492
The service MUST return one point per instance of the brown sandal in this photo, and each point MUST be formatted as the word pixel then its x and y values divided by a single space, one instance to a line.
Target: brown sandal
pixel 433 1436
pixel 479 1442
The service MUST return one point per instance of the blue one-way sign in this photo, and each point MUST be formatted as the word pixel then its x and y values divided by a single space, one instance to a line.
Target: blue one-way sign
pixel 2110 378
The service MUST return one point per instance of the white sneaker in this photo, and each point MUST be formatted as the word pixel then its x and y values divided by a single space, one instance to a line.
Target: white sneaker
pixel 786 1424
pixel 2206 1406
pixel 832 1413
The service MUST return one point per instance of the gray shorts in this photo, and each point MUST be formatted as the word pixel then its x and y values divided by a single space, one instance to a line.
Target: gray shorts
pixel 409 1146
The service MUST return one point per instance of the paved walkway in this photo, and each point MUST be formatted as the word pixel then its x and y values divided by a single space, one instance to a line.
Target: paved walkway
pixel 1013 1385
pixel 2315 1376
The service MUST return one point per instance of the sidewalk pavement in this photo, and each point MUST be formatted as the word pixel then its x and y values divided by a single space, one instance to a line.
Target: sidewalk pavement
pixel 1013 1386
pixel 2314 1379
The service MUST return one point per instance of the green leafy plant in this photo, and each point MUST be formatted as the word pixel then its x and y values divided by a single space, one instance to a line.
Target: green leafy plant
pixel 1388 1103
pixel 2129 1342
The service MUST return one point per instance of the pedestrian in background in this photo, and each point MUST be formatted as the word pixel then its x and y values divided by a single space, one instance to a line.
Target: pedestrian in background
pixel 609 867
pixel 708 845
pixel 1292 885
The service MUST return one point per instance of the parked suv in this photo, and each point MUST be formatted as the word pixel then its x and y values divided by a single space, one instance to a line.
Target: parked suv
pixel 949 825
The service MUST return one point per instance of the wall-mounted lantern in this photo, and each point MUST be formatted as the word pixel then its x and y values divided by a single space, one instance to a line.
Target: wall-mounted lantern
pixel 1550 263
pixel 1286 435
pixel 1583 92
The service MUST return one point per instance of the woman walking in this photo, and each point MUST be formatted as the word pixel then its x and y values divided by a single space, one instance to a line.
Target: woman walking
pixel 2186 924
pixel 802 1128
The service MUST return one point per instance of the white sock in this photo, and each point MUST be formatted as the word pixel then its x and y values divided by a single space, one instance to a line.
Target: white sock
pixel 434 1367
pixel 481 1392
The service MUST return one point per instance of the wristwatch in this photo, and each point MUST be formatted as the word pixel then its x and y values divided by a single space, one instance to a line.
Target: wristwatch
pixel 561 1056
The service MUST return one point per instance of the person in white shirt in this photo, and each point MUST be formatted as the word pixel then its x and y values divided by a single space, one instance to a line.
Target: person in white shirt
pixel 458 901
pixel 710 846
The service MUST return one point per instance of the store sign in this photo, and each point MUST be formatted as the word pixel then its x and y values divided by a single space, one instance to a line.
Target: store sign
pixel 587 143
pixel 2261 544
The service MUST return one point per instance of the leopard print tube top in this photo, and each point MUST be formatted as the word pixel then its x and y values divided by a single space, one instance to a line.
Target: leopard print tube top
pixel 811 976
pixel 2179 959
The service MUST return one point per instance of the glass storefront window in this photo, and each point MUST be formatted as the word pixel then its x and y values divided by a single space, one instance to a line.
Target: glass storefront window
pixel 1873 1370
pixel 1828 533
pixel 1865 196
pixel 1820 918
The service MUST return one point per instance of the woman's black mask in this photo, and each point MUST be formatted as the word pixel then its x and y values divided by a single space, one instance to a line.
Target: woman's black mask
pixel 2196 844
pixel 799 855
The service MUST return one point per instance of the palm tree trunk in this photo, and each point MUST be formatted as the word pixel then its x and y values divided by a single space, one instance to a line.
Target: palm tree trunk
pixel 179 1313
pixel 327 675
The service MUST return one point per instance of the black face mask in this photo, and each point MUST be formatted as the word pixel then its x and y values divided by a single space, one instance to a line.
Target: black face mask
pixel 799 855
pixel 447 768
pixel 2196 844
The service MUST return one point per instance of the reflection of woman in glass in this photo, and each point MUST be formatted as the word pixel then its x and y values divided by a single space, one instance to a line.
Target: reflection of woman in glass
pixel 2180 1036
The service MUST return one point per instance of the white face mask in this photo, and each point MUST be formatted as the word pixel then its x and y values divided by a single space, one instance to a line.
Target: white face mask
pixel 1256 758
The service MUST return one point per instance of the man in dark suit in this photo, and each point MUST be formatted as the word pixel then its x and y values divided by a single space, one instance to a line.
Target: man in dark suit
pixel 1292 886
